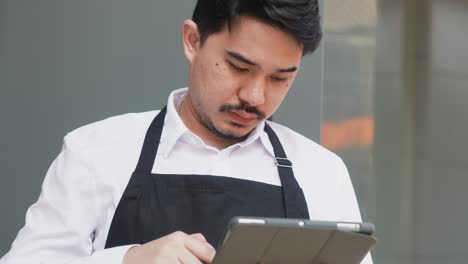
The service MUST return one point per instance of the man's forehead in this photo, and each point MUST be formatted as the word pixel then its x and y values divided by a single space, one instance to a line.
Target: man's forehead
pixel 252 40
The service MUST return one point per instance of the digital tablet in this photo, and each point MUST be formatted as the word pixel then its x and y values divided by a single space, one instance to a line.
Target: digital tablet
pixel 252 240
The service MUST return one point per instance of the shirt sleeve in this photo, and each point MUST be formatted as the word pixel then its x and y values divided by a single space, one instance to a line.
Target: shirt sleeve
pixel 350 212
pixel 61 225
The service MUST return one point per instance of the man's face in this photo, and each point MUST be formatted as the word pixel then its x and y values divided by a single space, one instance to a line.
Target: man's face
pixel 239 78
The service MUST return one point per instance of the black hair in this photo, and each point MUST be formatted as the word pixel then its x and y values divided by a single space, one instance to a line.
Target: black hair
pixel 300 18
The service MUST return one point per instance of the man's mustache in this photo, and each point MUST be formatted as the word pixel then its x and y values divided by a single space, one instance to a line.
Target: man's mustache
pixel 245 107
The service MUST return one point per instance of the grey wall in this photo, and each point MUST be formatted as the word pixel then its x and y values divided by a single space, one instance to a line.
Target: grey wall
pixel 64 64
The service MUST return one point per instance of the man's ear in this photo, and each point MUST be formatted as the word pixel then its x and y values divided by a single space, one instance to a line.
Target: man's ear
pixel 190 39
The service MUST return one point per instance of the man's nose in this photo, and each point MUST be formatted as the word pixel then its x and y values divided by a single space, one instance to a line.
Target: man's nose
pixel 253 92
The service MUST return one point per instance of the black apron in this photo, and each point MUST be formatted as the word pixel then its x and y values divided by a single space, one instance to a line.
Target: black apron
pixel 155 205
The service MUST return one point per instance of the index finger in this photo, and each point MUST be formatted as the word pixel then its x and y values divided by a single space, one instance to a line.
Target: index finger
pixel 201 249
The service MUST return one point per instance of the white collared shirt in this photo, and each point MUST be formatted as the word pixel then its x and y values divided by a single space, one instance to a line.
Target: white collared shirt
pixel 71 219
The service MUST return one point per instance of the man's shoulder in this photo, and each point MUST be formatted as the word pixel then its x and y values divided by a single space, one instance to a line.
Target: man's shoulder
pixel 298 145
pixel 112 130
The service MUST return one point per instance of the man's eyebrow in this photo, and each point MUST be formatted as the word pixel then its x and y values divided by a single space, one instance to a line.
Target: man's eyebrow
pixel 240 58
pixel 290 69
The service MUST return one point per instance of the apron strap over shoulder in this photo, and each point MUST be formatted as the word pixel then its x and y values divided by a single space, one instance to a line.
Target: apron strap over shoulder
pixel 294 200
pixel 151 144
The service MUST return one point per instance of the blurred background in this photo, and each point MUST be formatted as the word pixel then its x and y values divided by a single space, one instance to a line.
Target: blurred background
pixel 395 108
pixel 386 91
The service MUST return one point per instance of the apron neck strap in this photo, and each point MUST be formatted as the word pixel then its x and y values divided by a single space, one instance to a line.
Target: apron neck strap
pixel 151 144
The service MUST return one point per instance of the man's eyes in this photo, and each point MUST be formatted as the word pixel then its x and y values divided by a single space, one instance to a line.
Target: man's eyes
pixel 237 68
pixel 243 70
pixel 279 79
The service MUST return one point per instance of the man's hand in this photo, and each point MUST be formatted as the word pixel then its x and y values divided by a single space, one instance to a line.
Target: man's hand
pixel 177 247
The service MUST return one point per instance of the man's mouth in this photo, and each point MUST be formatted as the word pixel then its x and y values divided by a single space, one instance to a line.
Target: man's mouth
pixel 241 114
pixel 242 118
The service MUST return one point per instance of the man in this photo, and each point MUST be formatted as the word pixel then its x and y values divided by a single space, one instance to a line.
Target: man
pixel 160 187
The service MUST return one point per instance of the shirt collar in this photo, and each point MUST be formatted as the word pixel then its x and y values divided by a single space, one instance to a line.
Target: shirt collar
pixel 175 129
